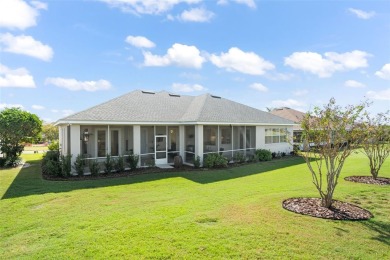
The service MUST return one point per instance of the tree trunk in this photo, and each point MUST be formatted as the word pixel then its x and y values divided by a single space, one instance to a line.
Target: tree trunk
pixel 327 201
pixel 374 173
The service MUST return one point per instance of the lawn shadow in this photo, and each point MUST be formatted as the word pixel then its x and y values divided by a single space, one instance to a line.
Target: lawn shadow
pixel 382 229
pixel 29 180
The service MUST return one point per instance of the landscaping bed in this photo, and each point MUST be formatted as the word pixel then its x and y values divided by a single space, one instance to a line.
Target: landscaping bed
pixel 369 180
pixel 338 211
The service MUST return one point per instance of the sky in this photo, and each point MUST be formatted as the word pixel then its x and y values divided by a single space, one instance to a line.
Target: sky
pixel 58 57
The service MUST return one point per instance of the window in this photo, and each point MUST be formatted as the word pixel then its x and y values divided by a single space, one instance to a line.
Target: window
pixel 101 143
pixel 275 135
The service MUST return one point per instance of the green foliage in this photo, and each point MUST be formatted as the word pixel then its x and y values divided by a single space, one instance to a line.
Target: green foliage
pixel 239 157
pixel 94 167
pixel 17 126
pixel 79 165
pixel 119 165
pixel 215 160
pixel 375 133
pixel 263 155
pixel 66 165
pixel 334 132
pixel 132 160
pixel 197 162
pixel 108 164
pixel 50 164
pixel 150 162
pixel 49 132
pixel 54 146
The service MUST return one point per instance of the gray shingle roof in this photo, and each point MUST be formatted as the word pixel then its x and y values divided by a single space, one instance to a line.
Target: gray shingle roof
pixel 138 106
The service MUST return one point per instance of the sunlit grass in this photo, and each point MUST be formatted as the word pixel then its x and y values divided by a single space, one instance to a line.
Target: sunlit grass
pixel 233 213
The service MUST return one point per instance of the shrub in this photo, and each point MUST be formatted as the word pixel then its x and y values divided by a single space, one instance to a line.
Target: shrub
pixel 239 157
pixel 215 160
pixel 50 164
pixel 54 146
pixel 132 159
pixel 108 164
pixel 66 165
pixel 120 164
pixel 263 155
pixel 2 161
pixel 94 167
pixel 150 162
pixel 79 165
pixel 197 162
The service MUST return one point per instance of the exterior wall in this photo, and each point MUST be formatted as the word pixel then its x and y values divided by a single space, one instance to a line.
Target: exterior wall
pixel 75 142
pixel 286 147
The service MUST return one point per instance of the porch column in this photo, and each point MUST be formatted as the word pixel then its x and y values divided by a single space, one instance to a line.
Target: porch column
pixel 75 144
pixel 108 140
pixel 61 139
pixel 260 137
pixel 182 140
pixel 199 141
pixel 137 141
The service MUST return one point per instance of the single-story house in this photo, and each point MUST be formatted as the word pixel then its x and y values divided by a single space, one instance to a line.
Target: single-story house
pixel 160 125
pixel 292 115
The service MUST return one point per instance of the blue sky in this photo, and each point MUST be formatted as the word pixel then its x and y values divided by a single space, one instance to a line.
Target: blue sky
pixel 60 57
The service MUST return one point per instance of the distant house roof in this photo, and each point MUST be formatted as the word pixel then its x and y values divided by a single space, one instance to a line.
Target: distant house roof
pixel 163 107
pixel 290 114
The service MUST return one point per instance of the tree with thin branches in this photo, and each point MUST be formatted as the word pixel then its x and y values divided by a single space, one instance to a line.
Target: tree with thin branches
pixel 331 134
pixel 376 141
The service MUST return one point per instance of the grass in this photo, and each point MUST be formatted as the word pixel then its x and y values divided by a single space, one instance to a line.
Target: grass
pixel 233 213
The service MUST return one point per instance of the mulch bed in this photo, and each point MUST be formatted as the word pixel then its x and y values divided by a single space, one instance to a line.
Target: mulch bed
pixel 339 210
pixel 369 180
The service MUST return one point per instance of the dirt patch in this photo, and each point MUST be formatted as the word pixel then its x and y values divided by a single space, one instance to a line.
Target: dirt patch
pixel 369 180
pixel 339 210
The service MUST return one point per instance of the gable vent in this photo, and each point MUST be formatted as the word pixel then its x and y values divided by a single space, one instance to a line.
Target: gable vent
pixel 148 92
pixel 215 96
pixel 174 95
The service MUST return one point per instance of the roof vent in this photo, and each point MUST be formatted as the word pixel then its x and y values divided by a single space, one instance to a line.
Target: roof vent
pixel 174 95
pixel 215 96
pixel 148 92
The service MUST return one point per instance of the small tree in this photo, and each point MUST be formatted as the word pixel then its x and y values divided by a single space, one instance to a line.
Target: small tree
pixel 17 126
pixel 376 142
pixel 330 134
pixel 49 132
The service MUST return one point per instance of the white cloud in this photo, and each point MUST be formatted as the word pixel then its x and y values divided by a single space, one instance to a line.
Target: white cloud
pixel 199 15
pixel 244 62
pixel 249 3
pixel 19 77
pixel 54 110
pixel 140 41
pixel 147 7
pixel 179 87
pixel 379 95
pixel 300 92
pixel 353 84
pixel 288 103
pixel 325 66
pixel 75 85
pixel 38 107
pixel 26 45
pixel 4 105
pixel 384 73
pixel 39 5
pixel 259 87
pixel 17 14
pixel 361 14
pixel 179 54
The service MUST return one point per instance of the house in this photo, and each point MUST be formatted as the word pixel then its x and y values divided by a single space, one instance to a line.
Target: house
pixel 292 115
pixel 160 125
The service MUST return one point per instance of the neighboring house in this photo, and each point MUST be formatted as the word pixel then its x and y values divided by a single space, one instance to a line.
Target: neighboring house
pixel 293 115
pixel 158 126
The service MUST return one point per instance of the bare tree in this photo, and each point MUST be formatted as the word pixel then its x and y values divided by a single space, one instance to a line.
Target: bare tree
pixel 331 134
pixel 376 146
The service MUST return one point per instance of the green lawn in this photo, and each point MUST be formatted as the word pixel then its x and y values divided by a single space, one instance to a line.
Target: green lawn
pixel 234 213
